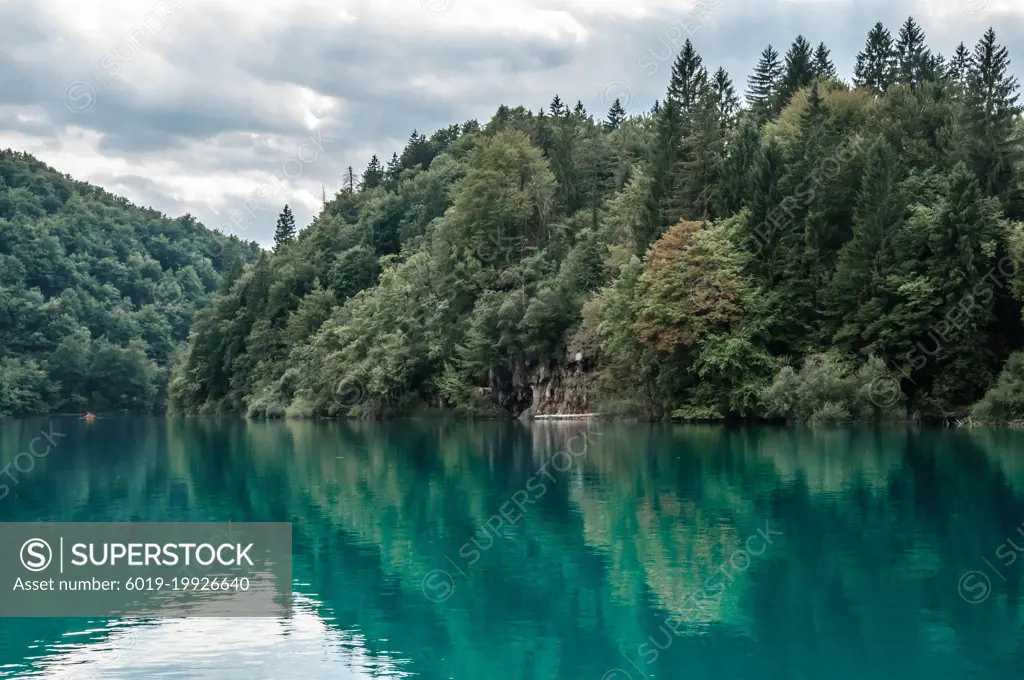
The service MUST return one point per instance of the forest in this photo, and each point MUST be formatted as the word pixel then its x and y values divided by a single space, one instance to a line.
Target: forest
pixel 96 295
pixel 798 247
pixel 824 251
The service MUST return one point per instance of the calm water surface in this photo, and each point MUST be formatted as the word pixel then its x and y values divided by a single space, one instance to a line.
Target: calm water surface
pixel 483 551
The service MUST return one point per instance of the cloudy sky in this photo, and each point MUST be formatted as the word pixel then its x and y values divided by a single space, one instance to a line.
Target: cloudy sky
pixel 227 109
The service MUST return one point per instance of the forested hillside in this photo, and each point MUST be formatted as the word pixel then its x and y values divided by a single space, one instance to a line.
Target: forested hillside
pixel 824 251
pixel 96 294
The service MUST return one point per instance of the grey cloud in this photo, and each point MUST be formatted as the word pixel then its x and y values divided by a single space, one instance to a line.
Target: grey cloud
pixel 148 192
pixel 227 83
pixel 733 36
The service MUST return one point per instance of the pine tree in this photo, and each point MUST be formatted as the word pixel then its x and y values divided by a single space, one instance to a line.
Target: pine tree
pixel 823 66
pixel 393 172
pixel 992 95
pixel 563 156
pixel 664 202
pixel 727 102
pixel 914 61
pixel 700 161
pixel 232 263
pixel 284 233
pixel 689 77
pixel 994 91
pixel 881 207
pixel 736 184
pixel 557 108
pixel 418 152
pixel 808 242
pixel 763 85
pixel 959 68
pixel 348 181
pixel 876 64
pixel 579 111
pixel 374 175
pixel 616 116
pixel 799 70
pixel 767 222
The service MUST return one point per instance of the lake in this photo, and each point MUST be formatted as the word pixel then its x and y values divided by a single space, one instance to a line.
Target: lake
pixel 492 551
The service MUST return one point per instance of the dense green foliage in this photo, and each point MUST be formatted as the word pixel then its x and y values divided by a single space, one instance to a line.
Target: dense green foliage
pixel 96 294
pixel 830 252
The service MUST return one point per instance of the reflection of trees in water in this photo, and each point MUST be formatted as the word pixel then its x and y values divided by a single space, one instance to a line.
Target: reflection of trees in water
pixel 879 526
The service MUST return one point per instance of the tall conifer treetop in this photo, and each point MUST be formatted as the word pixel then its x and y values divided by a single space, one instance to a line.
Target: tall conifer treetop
pixel 689 77
pixel 876 63
pixel 284 232
pixel 764 85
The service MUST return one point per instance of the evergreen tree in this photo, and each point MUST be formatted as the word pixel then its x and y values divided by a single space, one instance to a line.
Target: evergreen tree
pixel 914 61
pixel 348 181
pixel 233 263
pixel 767 222
pixel 993 89
pixel 418 152
pixel 579 110
pixel 799 71
pixel 557 108
pixel 664 203
pixel 736 183
pixel 284 233
pixel 689 78
pixel 993 97
pixel 823 66
pixel 727 102
pixel 393 172
pixel 374 175
pixel 616 116
pixel 880 209
pixel 763 85
pixel 959 68
pixel 701 152
pixel 876 64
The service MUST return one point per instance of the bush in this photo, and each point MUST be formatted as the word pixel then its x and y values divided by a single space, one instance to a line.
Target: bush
pixel 24 387
pixel 274 399
pixel 830 413
pixel 828 390
pixel 1004 403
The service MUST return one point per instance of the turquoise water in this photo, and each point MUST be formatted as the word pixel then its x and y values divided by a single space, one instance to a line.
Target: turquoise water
pixel 483 550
